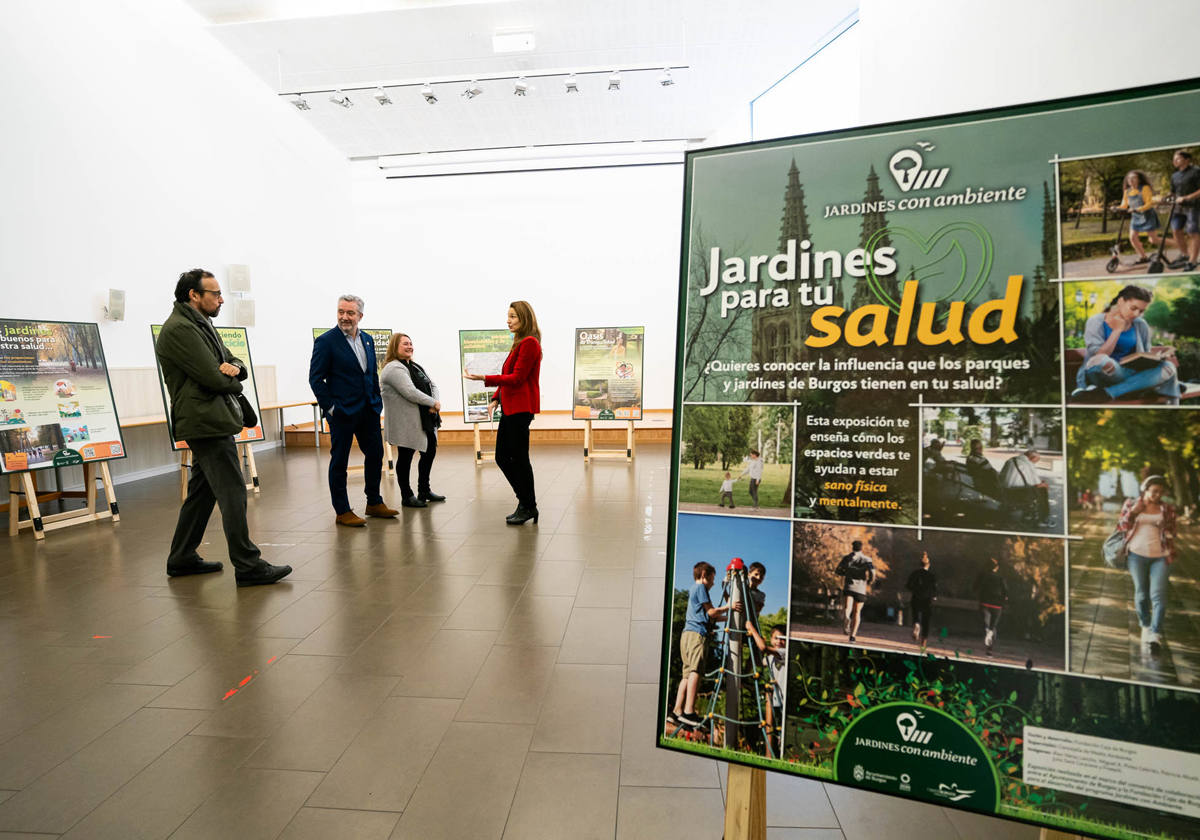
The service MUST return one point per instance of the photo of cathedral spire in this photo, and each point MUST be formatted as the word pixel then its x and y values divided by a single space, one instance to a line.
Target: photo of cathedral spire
pixel 873 221
pixel 777 334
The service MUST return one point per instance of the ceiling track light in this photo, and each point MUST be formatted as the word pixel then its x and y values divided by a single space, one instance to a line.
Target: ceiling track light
pixel 665 78
pixel 520 87
pixel 339 98
pixel 427 92
pixel 381 96
pixel 301 103
pixel 473 90
pixel 614 81
pixel 572 84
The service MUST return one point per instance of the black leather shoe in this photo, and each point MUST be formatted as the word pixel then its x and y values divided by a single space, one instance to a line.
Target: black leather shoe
pixel 263 575
pixel 522 515
pixel 430 496
pixel 413 501
pixel 200 567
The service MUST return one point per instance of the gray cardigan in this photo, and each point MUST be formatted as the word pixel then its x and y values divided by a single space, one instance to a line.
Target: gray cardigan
pixel 1093 337
pixel 401 412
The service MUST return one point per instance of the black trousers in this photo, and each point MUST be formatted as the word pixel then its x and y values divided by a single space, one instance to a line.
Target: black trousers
pixel 512 455
pixel 342 432
pixel 922 613
pixel 404 458
pixel 216 480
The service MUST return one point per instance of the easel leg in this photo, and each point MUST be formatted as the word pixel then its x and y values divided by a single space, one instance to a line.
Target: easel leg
pixel 746 803
pixel 253 467
pixel 629 442
pixel 31 502
pixel 89 487
pixel 587 439
pixel 478 446
pixel 14 504
pixel 110 491
pixel 185 459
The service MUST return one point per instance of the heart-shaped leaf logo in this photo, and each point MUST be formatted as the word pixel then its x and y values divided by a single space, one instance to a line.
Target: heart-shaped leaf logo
pixel 947 273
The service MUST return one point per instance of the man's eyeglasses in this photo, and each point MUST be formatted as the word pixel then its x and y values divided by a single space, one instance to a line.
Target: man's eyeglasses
pixel 216 292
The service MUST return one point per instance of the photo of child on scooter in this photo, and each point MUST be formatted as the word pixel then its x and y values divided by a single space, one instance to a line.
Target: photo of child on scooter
pixel 1154 199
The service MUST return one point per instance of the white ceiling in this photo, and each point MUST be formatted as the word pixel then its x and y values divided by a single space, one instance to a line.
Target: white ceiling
pixel 731 52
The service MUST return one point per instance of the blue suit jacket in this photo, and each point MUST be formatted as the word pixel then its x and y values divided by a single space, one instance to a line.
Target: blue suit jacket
pixel 336 379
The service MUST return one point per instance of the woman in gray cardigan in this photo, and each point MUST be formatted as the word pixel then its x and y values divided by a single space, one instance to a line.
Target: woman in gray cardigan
pixel 412 414
pixel 1112 335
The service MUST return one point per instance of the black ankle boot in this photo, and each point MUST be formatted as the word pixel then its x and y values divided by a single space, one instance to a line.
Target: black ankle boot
pixel 522 515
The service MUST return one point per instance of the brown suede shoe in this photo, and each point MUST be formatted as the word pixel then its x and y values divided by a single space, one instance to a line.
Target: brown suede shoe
pixel 381 510
pixel 350 519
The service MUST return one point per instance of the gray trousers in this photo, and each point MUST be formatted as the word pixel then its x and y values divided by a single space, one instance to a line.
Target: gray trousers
pixel 216 480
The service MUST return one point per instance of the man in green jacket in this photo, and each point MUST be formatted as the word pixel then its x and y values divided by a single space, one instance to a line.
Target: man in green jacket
pixel 204 380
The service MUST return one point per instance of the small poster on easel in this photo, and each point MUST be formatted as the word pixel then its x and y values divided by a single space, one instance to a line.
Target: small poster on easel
pixel 608 373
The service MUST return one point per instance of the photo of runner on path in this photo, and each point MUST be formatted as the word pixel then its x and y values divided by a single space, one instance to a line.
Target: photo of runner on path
pixel 1136 617
pixel 962 595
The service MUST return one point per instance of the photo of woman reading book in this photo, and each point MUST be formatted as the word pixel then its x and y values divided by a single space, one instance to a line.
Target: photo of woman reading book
pixel 1120 334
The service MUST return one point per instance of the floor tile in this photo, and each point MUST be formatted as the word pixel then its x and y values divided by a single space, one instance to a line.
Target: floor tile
pixel 669 813
pixel 643 763
pixel 582 710
pixel 329 824
pixel 868 816
pixel 537 620
pixel 565 795
pixel 254 803
pixel 450 663
pixel 468 789
pixel 382 766
pixel 596 636
pixel 610 588
pixel 510 686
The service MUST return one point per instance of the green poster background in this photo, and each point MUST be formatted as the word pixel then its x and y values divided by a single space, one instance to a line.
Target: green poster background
pixel 238 342
pixel 904 284
pixel 480 351
pixel 608 373
pixel 56 401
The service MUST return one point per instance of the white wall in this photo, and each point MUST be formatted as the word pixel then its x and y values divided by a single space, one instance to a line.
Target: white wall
pixel 587 247
pixel 945 56
pixel 136 147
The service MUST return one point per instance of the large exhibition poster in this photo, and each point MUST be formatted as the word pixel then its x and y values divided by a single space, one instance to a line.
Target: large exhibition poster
pixel 608 373
pixel 56 403
pixel 936 462
pixel 238 342
pixel 481 351
pixel 380 337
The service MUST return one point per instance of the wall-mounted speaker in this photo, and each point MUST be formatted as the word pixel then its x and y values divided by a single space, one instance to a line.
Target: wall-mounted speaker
pixel 114 310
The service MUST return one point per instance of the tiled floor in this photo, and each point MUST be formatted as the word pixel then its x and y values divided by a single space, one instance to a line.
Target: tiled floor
pixel 440 676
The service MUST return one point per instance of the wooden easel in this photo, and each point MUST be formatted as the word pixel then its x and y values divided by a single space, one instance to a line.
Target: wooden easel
pixel 589 451
pixel 481 454
pixel 746 803
pixel 185 463
pixel 23 489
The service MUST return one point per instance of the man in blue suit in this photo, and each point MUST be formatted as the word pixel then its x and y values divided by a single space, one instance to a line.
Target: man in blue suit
pixel 345 381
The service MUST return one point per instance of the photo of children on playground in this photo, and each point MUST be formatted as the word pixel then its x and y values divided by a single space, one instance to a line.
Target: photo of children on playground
pixel 1135 574
pixel 995 468
pixel 995 598
pixel 1132 214
pixel 1133 342
pixel 736 459
pixel 728 634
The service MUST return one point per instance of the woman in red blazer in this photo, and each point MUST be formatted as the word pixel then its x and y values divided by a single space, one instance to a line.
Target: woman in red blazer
pixel 519 398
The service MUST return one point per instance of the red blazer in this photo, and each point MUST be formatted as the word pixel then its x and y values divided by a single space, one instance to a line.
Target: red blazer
pixel 518 380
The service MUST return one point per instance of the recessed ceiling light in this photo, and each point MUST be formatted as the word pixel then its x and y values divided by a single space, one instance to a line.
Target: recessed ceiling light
pixel 381 96
pixel 339 98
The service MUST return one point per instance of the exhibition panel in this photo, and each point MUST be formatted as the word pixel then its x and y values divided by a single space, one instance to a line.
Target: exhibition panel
pixel 935 457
